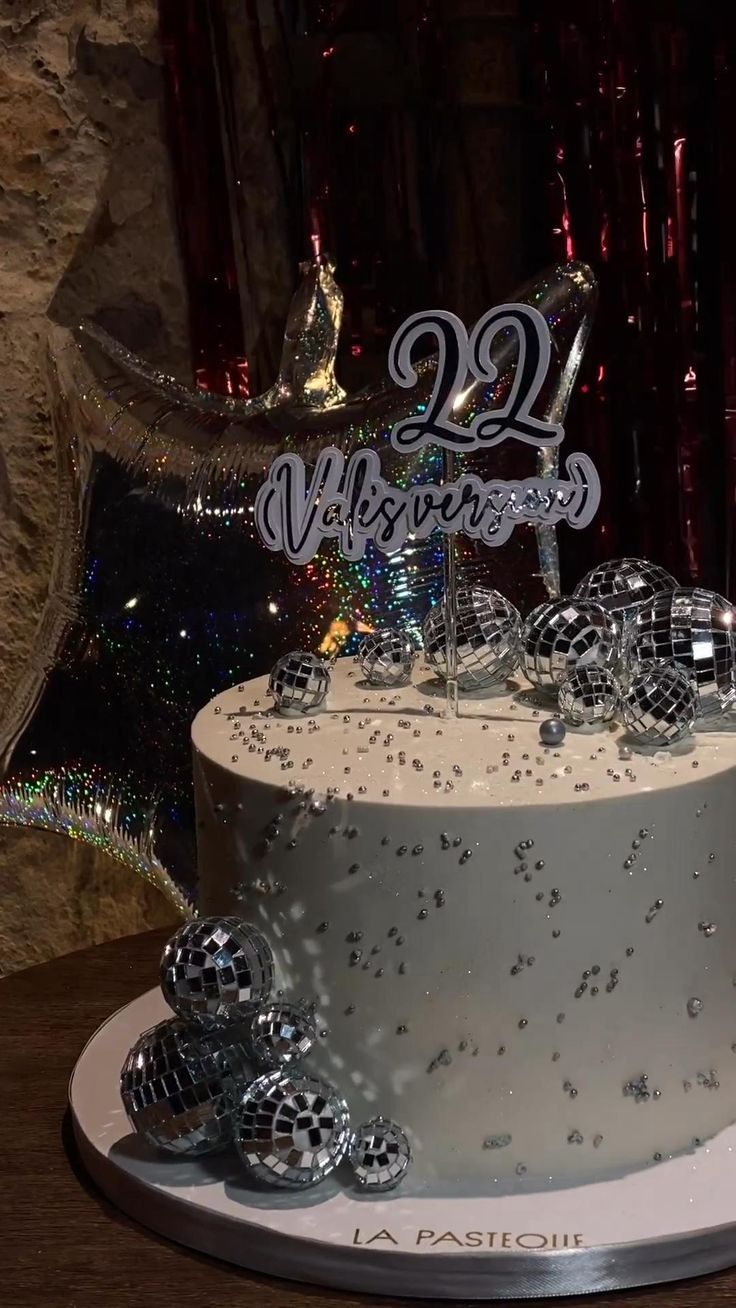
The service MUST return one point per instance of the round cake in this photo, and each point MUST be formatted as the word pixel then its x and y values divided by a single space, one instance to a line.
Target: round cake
pixel 524 955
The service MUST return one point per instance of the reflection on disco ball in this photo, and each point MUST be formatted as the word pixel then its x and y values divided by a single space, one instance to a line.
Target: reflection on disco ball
pixel 694 628
pixel 487 638
pixel 589 695
pixel 563 633
pixel 291 1130
pixel 387 657
pixel 216 968
pixel 380 1155
pixel 621 585
pixel 659 706
pixel 180 1086
pixel 299 682
pixel 283 1033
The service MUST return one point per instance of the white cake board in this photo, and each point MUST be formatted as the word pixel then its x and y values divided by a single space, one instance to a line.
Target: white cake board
pixel 660 1224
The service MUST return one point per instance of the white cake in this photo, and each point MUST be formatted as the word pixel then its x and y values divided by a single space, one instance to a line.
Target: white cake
pixel 524 956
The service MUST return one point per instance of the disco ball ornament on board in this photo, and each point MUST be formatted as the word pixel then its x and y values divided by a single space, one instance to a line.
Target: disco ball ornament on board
pixel 660 705
pixel 387 657
pixel 291 1130
pixel 299 682
pixel 283 1033
pixel 620 586
pixel 559 635
pixel 693 628
pixel 380 1155
pixel 216 969
pixel 180 1087
pixel 589 696
pixel 487 634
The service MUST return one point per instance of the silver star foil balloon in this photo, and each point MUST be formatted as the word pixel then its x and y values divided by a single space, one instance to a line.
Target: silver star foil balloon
pixel 660 704
pixel 558 635
pixel 216 969
pixel 291 1130
pixel 621 586
pixel 180 1086
pixel 161 593
pixel 380 1155
pixel 299 682
pixel 283 1032
pixel 589 695
pixel 487 637
pixel 386 657
pixel 695 629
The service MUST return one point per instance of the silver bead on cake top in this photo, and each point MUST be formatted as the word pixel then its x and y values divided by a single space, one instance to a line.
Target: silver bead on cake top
pixel 291 1130
pixel 589 695
pixel 622 585
pixel 299 682
pixel 659 705
pixel 387 657
pixel 552 731
pixel 487 638
pixel 562 633
pixel 215 969
pixel 694 628
pixel 283 1033
pixel 380 1155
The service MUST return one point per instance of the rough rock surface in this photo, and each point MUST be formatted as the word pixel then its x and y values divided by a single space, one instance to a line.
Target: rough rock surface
pixel 86 227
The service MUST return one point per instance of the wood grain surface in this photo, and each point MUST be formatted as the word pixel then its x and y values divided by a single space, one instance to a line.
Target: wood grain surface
pixel 63 1245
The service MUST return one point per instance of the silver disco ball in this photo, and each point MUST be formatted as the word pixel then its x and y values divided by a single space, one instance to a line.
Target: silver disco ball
pixel 215 969
pixel 660 704
pixel 621 585
pixel 283 1033
pixel 291 1130
pixel 694 628
pixel 589 695
pixel 487 632
pixel 180 1087
pixel 299 682
pixel 562 633
pixel 387 657
pixel 380 1155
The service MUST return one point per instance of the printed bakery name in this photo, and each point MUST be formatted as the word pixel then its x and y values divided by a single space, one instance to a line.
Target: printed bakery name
pixel 424 1238
pixel 349 500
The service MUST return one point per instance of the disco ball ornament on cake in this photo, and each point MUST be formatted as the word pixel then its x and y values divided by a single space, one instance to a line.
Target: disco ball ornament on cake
pixel 589 696
pixel 693 628
pixel 387 657
pixel 380 1155
pixel 299 682
pixel 487 632
pixel 215 969
pixel 291 1130
pixel 620 586
pixel 283 1033
pixel 563 633
pixel 180 1087
pixel 660 705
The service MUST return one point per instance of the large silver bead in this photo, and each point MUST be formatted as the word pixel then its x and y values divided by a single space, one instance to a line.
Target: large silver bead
pixel 589 695
pixel 291 1130
pixel 622 585
pixel 387 657
pixel 660 704
pixel 283 1032
pixel 694 628
pixel 487 631
pixel 380 1155
pixel 562 633
pixel 215 969
pixel 299 682
pixel 180 1086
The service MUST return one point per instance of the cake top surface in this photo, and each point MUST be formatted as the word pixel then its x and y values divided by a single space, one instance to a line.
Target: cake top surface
pixel 395 747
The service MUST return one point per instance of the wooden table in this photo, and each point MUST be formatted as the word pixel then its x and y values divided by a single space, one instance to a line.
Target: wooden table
pixel 62 1245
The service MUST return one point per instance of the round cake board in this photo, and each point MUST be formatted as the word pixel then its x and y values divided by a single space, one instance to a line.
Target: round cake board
pixel 663 1223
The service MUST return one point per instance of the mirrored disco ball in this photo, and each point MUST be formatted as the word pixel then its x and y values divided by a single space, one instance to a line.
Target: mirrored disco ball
pixel 692 627
pixel 660 705
pixel 487 633
pixel 589 695
pixel 283 1033
pixel 380 1155
pixel 215 969
pixel 291 1130
pixel 299 682
pixel 621 585
pixel 180 1087
pixel 562 633
pixel 387 657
